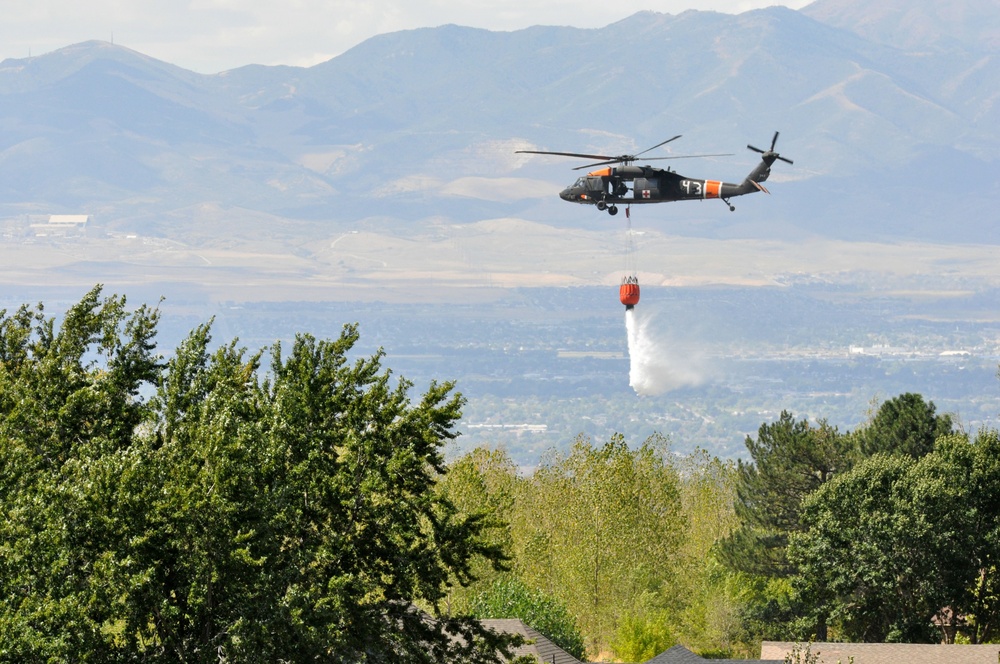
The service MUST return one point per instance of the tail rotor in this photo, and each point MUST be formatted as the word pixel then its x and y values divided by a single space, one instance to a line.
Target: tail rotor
pixel 770 151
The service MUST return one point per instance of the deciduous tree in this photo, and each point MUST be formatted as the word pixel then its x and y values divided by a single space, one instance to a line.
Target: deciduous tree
pixel 861 561
pixel 231 517
pixel 482 484
pixel 600 527
pixel 892 543
pixel 68 412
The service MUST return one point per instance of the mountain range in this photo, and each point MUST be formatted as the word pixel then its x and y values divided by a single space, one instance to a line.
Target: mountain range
pixel 890 111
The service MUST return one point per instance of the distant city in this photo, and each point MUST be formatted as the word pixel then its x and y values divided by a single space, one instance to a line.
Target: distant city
pixel 541 366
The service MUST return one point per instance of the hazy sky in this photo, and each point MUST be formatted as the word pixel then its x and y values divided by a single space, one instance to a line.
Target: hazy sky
pixel 210 36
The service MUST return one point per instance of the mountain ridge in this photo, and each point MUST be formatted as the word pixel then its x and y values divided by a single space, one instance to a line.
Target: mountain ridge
pixel 101 127
pixel 908 25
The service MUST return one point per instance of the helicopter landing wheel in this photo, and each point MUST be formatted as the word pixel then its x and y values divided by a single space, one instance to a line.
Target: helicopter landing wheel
pixel 732 208
pixel 601 205
pixel 613 210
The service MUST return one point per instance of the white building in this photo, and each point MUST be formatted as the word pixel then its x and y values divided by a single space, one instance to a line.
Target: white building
pixel 59 224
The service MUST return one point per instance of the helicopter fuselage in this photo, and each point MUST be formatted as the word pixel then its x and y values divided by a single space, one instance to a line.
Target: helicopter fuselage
pixel 624 182
pixel 645 184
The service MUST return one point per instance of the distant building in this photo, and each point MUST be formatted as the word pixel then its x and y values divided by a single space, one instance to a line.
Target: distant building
pixel 69 220
pixel 59 224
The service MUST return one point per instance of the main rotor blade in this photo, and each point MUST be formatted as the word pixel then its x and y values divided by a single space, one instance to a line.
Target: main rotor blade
pixel 603 158
pixel 680 156
pixel 600 163
pixel 690 156
pixel 567 154
pixel 657 145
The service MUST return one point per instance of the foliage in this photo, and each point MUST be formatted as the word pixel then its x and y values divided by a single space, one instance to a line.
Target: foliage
pixel 229 517
pixel 482 484
pixel 642 637
pixel 767 609
pixel 599 527
pixel 800 655
pixel 897 539
pixel 862 562
pixel 730 581
pixel 703 613
pixel 905 424
pixel 790 460
pixel 972 473
pixel 708 492
pixel 68 409
pixel 509 597
pixel 199 509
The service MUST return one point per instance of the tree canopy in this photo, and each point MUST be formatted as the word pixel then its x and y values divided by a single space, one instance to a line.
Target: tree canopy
pixel 231 516
pixel 904 549
pixel 905 424
pixel 792 461
pixel 598 529
pixel 789 460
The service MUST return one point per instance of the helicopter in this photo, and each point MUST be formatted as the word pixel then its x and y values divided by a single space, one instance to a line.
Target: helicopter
pixel 608 187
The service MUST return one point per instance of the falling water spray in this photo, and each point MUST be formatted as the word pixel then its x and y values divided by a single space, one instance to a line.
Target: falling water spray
pixel 657 364
pixel 628 294
pixel 637 353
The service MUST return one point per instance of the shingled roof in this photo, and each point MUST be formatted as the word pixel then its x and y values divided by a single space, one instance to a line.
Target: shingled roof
pixel 676 655
pixel 681 655
pixel 539 646
pixel 890 653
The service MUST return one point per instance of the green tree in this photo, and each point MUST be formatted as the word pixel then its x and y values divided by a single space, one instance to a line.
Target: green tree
pixel 790 460
pixel 972 471
pixel 894 541
pixel 509 597
pixel 600 528
pixel 483 484
pixel 68 410
pixel 905 424
pixel 641 637
pixel 862 562
pixel 230 517
pixel 767 609
pixel 705 617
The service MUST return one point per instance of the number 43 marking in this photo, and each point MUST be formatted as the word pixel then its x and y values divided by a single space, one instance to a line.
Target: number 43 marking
pixel 692 187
